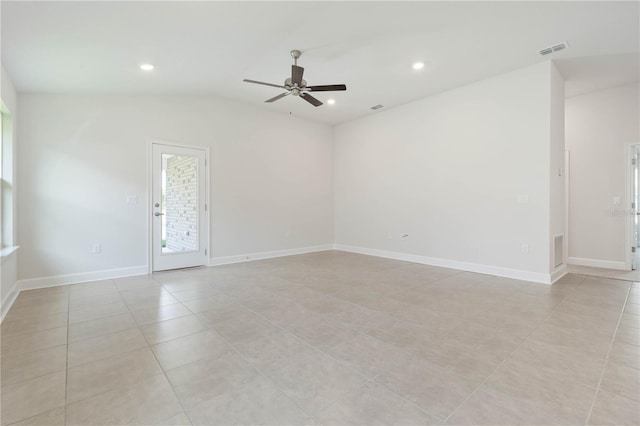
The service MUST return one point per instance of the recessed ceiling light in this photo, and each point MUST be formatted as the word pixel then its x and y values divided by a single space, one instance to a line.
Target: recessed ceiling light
pixel 331 101
pixel 147 67
pixel 418 65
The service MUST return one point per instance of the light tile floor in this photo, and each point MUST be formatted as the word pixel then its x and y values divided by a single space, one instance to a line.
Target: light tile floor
pixel 605 273
pixel 326 338
pixel 609 273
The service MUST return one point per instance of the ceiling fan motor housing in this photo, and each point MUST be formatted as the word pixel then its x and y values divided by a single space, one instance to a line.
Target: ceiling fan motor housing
pixel 290 85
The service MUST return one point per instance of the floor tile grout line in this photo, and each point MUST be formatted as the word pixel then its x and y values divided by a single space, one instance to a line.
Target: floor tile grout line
pixel 317 349
pixel 369 379
pixel 606 362
pixel 64 406
pixel 114 356
pixel 139 326
pixel 256 370
pixel 136 326
pixel 506 358
pixel 270 380
pixel 409 353
pixel 404 398
pixel 62 369
pixel 66 367
pixel 108 357
pixel 320 351
pixel 164 373
pixel 17 354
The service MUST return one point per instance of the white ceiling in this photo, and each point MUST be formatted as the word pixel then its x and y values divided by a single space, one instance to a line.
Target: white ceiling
pixel 209 47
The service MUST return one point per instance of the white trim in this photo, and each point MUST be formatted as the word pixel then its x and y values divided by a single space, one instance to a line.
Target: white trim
pixel 7 251
pixel 499 271
pixel 629 224
pixel 9 254
pixel 8 300
pixel 149 206
pixel 53 281
pixel 559 273
pixel 598 263
pixel 225 260
pixel 567 204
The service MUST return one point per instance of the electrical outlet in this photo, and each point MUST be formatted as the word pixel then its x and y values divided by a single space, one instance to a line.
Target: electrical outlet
pixel 524 248
pixel 96 249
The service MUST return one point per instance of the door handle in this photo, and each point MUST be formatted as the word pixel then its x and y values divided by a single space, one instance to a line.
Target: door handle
pixel 158 214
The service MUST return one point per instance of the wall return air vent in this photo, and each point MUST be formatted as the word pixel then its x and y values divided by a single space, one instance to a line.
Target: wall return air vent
pixel 552 49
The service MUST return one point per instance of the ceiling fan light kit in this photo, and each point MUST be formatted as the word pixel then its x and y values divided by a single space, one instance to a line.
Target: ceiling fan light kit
pixel 297 86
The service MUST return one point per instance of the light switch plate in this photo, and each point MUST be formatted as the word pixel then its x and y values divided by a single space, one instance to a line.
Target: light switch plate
pixel 523 199
pixel 132 199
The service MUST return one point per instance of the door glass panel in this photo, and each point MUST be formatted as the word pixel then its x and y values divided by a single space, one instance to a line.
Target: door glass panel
pixel 179 204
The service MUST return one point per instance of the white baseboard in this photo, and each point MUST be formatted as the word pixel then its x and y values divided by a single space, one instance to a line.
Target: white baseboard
pixel 517 274
pixel 8 300
pixel 33 283
pixel 559 273
pixel 225 260
pixel 597 263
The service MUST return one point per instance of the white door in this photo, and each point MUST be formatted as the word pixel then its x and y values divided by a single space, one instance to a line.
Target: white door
pixel 179 230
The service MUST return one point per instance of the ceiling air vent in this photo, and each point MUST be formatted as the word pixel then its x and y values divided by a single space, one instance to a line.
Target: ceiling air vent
pixel 554 48
pixel 375 107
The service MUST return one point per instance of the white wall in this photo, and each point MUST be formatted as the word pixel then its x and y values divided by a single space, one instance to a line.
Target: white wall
pixel 447 171
pixel 80 156
pixel 8 262
pixel 599 128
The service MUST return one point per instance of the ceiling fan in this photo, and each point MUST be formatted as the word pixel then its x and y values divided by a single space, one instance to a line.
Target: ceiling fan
pixel 296 86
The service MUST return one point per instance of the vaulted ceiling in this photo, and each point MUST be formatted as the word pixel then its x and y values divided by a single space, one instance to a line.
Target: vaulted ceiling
pixel 202 48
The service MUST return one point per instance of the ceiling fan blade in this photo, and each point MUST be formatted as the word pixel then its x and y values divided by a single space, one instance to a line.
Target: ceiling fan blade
pixel 263 83
pixel 327 88
pixel 275 98
pixel 296 74
pixel 313 101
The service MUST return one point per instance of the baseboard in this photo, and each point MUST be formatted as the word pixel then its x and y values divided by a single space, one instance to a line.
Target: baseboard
pixel 517 274
pixel 225 260
pixel 33 283
pixel 597 263
pixel 8 277
pixel 8 300
pixel 559 273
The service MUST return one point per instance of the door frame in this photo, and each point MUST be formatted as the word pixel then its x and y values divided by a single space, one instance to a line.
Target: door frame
pixel 629 197
pixel 149 209
pixel 567 205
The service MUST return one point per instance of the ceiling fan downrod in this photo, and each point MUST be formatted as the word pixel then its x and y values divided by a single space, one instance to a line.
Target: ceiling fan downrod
pixel 295 54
